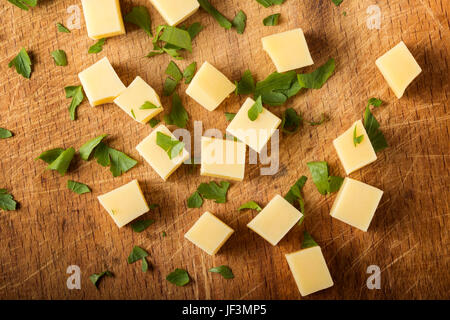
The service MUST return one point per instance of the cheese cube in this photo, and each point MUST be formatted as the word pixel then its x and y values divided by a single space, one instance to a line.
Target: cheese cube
pixel 354 157
pixel 310 270
pixel 209 87
pixel 158 158
pixel 101 83
pixel 288 50
pixel 356 203
pixel 125 203
pixel 275 220
pixel 399 68
pixel 175 11
pixel 256 133
pixel 222 158
pixel 103 18
pixel 137 93
pixel 209 233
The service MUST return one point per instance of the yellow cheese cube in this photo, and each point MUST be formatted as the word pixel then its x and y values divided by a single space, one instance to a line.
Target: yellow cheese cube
pixel 288 50
pixel 356 203
pixel 275 220
pixel 125 203
pixel 399 68
pixel 103 18
pixel 222 158
pixel 156 156
pixel 175 11
pixel 310 270
pixel 354 157
pixel 209 233
pixel 132 99
pixel 209 87
pixel 101 83
pixel 256 133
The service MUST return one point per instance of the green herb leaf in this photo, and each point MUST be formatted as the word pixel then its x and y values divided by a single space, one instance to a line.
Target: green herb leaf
pixel 179 277
pixel 178 115
pixel 246 85
pixel 224 22
pixel 97 47
pixel 372 126
pixel 291 121
pixel 277 88
pixel 224 271
pixel 153 122
pixel 268 3
pixel 374 102
pixel 195 200
pixel 173 147
pixel 325 184
pixel 324 118
pixel 153 206
pixel 194 29
pixel 255 109
pixel 4 133
pixel 308 241
pixel 337 2
pixel 189 72
pixel 118 161
pixel 230 116
pixel 137 254
pixel 62 28
pixel 62 163
pixel 50 155
pixel 250 205
pixel 97 276
pixel 317 78
pixel 77 187
pixel 295 194
pixel 139 16
pixel 174 72
pixel 239 22
pixel 272 20
pixel 23 4
pixel 144 266
pixel 60 57
pixel 357 139
pixel 141 225
pixel 76 93
pixel 148 105
pixel 169 86
pixel 177 37
pixel 22 63
pixel 101 154
pixel 87 148
pixel 164 234
pixel 7 201
pixel 213 191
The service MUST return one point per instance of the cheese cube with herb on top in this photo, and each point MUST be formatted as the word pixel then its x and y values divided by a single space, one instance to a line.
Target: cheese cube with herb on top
pixel 275 220
pixel 140 101
pixel 399 68
pixel 125 203
pixel 209 87
pixel 356 203
pixel 209 233
pixel 255 133
pixel 353 151
pixel 157 157
pixel 223 158
pixel 103 18
pixel 288 50
pixel 175 11
pixel 310 271
pixel 101 83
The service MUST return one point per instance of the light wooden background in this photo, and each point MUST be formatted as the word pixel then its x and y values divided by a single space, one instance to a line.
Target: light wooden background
pixel 54 228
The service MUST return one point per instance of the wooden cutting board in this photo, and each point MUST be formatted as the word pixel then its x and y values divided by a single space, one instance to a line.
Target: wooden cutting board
pixel 55 228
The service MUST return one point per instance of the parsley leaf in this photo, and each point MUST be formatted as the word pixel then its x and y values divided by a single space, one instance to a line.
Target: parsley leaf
pixel 77 187
pixel 224 271
pixel 374 102
pixel 22 63
pixel 62 162
pixel 50 155
pixel 144 266
pixel 97 47
pixel 324 118
pixel 272 20
pixel 148 105
pixel 372 126
pixel 268 3
pixel 62 28
pixel 141 225
pixel 97 276
pixel 291 121
pixel 179 277
pixel 5 133
pixel 76 93
pixel 317 78
pixel 255 109
pixel 177 37
pixel 118 161
pixel 308 241
pixel 178 115
pixel 357 139
pixel 230 116
pixel 173 147
pixel 295 194
pixel 194 29
pixel 224 22
pixel 169 86
pixel 139 16
pixel 136 254
pixel 195 200
pixel 189 72
pixel 246 85
pixel 277 88
pixel 213 191
pixel 174 72
pixel 337 2
pixel 87 148
pixel 60 57
pixel 153 122
pixel 250 205
pixel 325 184
pixel 7 201
pixel 239 22
pixel 23 4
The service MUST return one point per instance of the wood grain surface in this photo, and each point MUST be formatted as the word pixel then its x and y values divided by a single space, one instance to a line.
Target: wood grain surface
pixel 55 228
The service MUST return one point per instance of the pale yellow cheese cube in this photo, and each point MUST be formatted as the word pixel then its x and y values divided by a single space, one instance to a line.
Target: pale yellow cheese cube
pixel 355 203
pixel 275 220
pixel 157 157
pixel 209 87
pixel 209 233
pixel 125 203
pixel 256 133
pixel 288 50
pixel 132 99
pixel 354 157
pixel 175 11
pixel 101 83
pixel 223 158
pixel 399 68
pixel 310 270
pixel 103 18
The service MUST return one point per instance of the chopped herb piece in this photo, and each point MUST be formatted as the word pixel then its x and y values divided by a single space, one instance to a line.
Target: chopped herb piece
pixel 132 113
pixel 97 276
pixel 23 4
pixel 317 78
pixel 62 28
pixel 60 57
pixel 5 133
pixel 255 109
pixel 268 3
pixel 357 139
pixel 295 194
pixel 97 47
pixel 141 225
pixel 224 22
pixel 250 205
pixel 62 162
pixel 324 118
pixel 87 148
pixel 374 102
pixel 239 22
pixel 189 72
pixel 139 16
pixel 118 161
pixel 213 191
pixel 246 85
pixel 230 116
pixel 77 95
pixel 194 29
pixel 50 155
pixel 372 126
pixel 7 201
pixel 153 206
pixel 148 105
pixel 174 72
pixel 195 200
pixel 153 122
pixel 169 86
pixel 144 266
pixel 136 254
pixel 177 37
pixel 173 147
pixel 272 20
pixel 308 241
pixel 164 234
pixel 277 88
pixel 337 2
pixel 179 277
pixel 224 271
pixel 291 121
pixel 178 115
pixel 325 184
pixel 77 187
pixel 22 63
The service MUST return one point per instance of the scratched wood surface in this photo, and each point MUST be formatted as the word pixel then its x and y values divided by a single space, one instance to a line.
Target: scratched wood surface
pixel 55 228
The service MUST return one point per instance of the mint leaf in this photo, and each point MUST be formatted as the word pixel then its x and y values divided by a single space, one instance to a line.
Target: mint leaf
pixel 213 191
pixel 250 205
pixel 372 126
pixel 23 4
pixel 195 200
pixel 189 72
pixel 136 254
pixel 179 277
pixel 308 241
pixel 62 28
pixel 268 3
pixel 173 147
pixel 357 139
pixel 291 121
pixel 272 20
pixel 178 115
pixel 224 22
pixel 97 47
pixel 76 93
pixel 239 22
pixel 139 16
pixel 224 271
pixel 255 109
pixel 5 133
pixel 141 225
pixel 7 201
pixel 77 187
pixel 87 148
pixel 246 85
pixel 317 78
pixel 295 194
pixel 22 63
pixel 230 116
pixel 60 58
pixel 325 184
